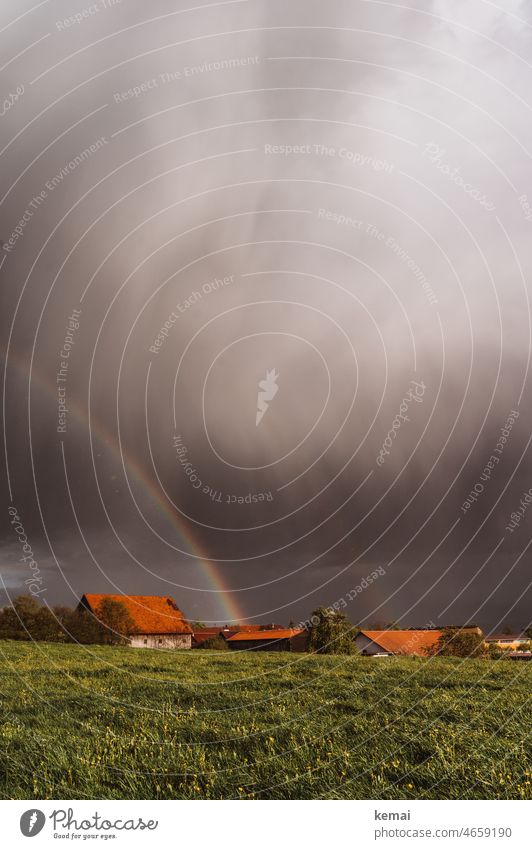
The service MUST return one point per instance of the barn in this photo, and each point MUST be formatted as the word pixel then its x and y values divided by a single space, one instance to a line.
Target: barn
pixel 201 635
pixel 278 639
pixel 158 622
pixel 396 642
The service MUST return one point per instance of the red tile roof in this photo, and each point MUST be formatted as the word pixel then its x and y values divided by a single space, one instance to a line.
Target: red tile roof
pixel 202 634
pixel 277 634
pixel 152 614
pixel 403 642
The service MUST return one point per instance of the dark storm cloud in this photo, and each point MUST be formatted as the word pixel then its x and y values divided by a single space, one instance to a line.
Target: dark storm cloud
pixel 336 194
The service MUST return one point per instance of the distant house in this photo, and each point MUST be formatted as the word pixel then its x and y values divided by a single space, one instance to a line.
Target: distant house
pixel 159 623
pixel 201 635
pixel 269 639
pixel 396 642
pixel 512 642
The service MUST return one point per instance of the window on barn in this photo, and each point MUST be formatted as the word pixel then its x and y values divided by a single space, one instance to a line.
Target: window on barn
pixel 145 641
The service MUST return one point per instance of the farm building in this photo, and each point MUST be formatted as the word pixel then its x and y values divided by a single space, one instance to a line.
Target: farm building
pixel 512 642
pixel 396 642
pixel 158 622
pixel 269 639
pixel 201 635
pixel 240 629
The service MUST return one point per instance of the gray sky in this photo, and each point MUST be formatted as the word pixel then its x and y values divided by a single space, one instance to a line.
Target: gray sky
pixel 333 200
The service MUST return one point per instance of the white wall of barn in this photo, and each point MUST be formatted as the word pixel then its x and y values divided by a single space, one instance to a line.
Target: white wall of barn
pixel 367 646
pixel 160 641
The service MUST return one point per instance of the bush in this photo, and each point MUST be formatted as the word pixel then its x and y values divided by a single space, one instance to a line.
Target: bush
pixel 216 643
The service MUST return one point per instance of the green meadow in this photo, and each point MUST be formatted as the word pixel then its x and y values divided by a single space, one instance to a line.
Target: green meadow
pixel 118 723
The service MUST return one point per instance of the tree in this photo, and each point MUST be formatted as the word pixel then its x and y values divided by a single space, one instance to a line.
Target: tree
pixel 80 627
pixel 459 642
pixel 331 633
pixel 26 619
pixel 117 622
pixel 11 628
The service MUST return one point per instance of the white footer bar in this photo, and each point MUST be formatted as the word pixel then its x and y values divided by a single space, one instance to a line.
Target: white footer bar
pixel 263 825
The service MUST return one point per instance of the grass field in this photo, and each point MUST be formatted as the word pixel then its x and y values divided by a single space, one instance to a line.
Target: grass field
pixel 112 723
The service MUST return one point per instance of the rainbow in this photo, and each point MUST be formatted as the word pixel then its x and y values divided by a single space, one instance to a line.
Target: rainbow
pixel 230 610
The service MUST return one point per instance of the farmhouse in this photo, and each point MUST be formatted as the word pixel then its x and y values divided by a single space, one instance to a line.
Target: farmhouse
pixel 269 639
pixel 158 622
pixel 512 642
pixel 396 642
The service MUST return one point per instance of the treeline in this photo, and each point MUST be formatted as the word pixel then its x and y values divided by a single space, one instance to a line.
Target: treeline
pixel 330 632
pixel 26 619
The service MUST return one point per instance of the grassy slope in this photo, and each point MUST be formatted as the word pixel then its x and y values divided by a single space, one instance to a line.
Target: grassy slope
pixel 103 722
